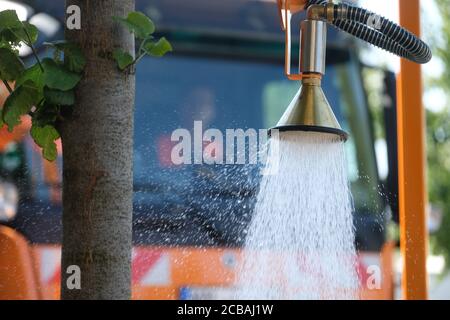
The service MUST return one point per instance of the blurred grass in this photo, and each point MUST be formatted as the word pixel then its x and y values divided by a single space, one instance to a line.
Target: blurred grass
pixel 438 139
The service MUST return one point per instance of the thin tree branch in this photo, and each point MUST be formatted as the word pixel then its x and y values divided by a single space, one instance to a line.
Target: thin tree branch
pixel 10 90
pixel 30 44
pixel 141 52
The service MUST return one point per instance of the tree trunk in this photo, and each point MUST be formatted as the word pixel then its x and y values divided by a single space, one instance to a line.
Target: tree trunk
pixel 97 143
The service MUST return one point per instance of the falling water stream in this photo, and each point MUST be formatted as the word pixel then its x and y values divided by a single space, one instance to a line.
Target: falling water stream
pixel 300 243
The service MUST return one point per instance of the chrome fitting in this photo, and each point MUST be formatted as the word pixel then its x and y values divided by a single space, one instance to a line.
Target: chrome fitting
pixel 313 46
pixel 330 12
pixel 317 12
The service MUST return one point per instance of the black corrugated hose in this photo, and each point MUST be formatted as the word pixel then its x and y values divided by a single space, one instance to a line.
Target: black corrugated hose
pixel 379 31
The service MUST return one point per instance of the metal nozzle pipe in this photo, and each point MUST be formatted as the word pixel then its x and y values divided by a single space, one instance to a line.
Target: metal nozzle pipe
pixel 313 46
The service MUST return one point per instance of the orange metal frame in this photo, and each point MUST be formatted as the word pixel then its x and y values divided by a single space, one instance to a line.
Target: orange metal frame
pixel 412 164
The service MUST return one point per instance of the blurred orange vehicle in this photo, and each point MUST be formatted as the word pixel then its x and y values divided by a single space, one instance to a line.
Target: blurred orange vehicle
pixel 190 220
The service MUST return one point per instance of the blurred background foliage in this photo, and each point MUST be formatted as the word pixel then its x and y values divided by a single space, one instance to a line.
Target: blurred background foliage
pixel 438 139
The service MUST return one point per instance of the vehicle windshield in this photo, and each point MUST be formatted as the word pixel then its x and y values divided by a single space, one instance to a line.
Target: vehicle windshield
pixel 221 94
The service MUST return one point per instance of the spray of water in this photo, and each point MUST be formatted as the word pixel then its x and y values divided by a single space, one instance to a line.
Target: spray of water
pixel 300 243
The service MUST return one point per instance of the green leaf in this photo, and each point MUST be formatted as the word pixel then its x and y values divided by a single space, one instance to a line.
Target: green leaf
pixel 159 48
pixel 58 97
pixel 124 59
pixel 58 77
pixel 9 19
pixel 8 39
pixel 45 114
pixel 11 67
pixel 19 103
pixel 74 57
pixel 15 31
pixel 33 73
pixel 24 31
pixel 137 23
pixel 36 75
pixel 45 138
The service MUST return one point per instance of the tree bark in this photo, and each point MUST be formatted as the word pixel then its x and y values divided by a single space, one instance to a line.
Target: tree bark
pixel 97 141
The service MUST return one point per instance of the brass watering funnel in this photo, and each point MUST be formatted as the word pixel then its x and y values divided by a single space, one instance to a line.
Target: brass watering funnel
pixel 309 110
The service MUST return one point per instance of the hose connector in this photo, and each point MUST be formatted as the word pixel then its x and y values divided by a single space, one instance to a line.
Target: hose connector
pixel 330 12
pixel 341 11
pixel 358 22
